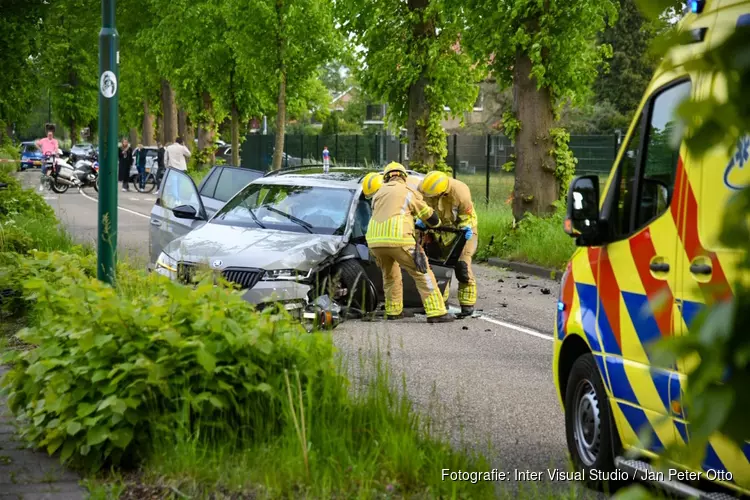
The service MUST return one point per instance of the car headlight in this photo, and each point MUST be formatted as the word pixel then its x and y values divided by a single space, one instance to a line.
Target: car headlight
pixel 166 262
pixel 286 275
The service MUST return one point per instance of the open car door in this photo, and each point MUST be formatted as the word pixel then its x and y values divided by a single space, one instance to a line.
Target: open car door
pixel 178 194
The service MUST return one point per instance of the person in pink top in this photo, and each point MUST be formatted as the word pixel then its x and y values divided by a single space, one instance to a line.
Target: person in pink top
pixel 49 146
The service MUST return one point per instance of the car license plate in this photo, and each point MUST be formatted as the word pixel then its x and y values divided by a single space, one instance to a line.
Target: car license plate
pixel 37 162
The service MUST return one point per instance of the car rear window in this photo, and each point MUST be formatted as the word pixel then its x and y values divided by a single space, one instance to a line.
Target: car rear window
pixel 209 185
pixel 232 180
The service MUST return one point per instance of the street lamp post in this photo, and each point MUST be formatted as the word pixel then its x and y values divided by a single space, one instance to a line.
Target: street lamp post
pixel 109 59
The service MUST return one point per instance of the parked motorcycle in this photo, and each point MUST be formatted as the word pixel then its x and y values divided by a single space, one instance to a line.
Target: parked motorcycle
pixel 84 174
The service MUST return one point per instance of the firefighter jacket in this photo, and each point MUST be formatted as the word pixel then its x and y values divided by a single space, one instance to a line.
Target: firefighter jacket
pixel 455 208
pixel 394 208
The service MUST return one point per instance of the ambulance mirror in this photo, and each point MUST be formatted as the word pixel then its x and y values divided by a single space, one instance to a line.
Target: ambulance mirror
pixel 583 206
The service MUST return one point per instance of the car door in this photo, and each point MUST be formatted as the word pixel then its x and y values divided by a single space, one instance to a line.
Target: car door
pixel 636 273
pixel 177 189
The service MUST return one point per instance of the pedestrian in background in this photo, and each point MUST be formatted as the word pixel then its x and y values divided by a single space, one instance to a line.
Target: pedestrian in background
pixel 140 165
pixel 177 154
pixel 160 165
pixel 326 159
pixel 126 161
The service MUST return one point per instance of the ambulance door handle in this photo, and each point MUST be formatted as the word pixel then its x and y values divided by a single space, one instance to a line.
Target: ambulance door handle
pixel 704 269
pixel 659 267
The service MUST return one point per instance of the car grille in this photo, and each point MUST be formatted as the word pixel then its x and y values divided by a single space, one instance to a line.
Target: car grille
pixel 246 278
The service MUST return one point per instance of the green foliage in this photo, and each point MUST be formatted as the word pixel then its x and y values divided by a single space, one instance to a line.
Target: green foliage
pixel 411 47
pixel 69 60
pixel 629 71
pixel 557 36
pixel 510 126
pixel 110 374
pixel 594 118
pixel 565 162
pixel 20 39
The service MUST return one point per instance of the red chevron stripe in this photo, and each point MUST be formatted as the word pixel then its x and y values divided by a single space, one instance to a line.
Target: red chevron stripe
pixel 718 288
pixel 609 290
pixel 658 291
pixel 610 294
pixel 567 295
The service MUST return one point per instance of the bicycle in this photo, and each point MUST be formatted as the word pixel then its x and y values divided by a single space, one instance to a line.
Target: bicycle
pixel 149 182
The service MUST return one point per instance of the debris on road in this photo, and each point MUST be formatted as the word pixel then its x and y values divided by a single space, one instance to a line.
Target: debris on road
pixel 519 277
pixel 518 285
pixel 546 291
pixel 464 328
pixel 501 280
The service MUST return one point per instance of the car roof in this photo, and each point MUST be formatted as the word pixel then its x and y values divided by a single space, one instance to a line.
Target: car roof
pixel 331 180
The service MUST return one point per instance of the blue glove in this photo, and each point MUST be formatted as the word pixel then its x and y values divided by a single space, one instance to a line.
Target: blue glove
pixel 468 233
pixel 420 224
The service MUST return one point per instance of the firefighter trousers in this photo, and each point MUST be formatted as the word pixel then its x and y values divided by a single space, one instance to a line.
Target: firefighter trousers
pixel 391 260
pixel 467 285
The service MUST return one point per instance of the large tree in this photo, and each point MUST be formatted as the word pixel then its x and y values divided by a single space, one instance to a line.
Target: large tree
pixel 69 61
pixel 20 35
pixel 413 61
pixel 633 62
pixel 285 44
pixel 545 49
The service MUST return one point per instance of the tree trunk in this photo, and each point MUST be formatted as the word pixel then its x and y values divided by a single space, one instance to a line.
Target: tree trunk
pixel 206 132
pixel 168 132
pixel 235 135
pixel 160 129
pixel 416 124
pixel 148 125
pixel 536 187
pixel 73 131
pixel 185 128
pixel 281 101
pixel 419 109
pixel 133 137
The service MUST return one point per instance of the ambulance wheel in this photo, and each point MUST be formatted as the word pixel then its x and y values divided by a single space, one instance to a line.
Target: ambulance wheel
pixel 361 292
pixel 589 427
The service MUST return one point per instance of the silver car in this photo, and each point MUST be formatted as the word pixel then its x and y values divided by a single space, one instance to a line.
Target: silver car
pixel 282 238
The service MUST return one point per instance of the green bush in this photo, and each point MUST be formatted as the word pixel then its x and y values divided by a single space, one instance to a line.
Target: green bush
pixel 112 368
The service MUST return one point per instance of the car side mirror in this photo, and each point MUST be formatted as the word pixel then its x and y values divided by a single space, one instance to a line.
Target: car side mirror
pixel 582 218
pixel 185 212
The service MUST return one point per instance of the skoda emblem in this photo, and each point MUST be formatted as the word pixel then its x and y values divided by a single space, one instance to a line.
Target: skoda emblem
pixel 216 264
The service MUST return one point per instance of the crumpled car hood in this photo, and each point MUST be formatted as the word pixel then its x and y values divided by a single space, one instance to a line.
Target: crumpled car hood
pixel 253 247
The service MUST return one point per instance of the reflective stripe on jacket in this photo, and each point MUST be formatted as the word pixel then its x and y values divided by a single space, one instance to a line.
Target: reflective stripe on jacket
pixel 394 208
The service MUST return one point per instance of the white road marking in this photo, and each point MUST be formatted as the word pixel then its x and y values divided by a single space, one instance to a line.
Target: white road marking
pixel 517 328
pixel 121 208
pixel 50 197
pixel 134 199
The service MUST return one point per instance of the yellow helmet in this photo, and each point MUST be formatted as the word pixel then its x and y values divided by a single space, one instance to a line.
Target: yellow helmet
pixel 435 184
pixel 394 167
pixel 371 183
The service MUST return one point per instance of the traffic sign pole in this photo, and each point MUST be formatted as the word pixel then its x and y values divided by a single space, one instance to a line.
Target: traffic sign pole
pixel 109 56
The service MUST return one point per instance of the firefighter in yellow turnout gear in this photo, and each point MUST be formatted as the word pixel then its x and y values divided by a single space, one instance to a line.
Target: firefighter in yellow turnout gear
pixel 451 200
pixel 390 237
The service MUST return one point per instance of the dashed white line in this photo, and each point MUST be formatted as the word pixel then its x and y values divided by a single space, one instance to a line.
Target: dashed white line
pixel 121 208
pixel 527 331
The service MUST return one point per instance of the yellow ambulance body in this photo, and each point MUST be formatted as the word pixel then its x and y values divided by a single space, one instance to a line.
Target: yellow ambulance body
pixel 650 262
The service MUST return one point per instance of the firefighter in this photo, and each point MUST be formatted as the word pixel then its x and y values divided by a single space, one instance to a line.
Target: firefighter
pixel 390 237
pixel 371 183
pixel 451 199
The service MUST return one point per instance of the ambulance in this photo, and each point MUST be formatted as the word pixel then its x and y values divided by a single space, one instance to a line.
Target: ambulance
pixel 648 259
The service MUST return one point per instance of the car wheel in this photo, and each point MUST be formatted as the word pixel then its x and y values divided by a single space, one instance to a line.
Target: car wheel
pixel 589 427
pixel 361 293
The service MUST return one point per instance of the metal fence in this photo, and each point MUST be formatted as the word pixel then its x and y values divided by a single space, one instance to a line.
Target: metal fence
pixel 475 159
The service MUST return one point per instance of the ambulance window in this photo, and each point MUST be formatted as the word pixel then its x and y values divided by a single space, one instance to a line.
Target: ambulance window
pixel 623 196
pixel 664 136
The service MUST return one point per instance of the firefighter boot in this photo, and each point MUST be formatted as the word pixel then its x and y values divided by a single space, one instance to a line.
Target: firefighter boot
pixel 445 318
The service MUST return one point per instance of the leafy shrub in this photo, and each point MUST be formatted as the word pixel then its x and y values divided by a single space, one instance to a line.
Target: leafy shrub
pixel 111 369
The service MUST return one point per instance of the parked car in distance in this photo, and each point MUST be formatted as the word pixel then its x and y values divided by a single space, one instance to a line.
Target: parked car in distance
pixel 82 150
pixel 223 182
pixel 31 155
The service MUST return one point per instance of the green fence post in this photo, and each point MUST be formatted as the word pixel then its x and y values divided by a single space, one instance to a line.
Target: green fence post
pixel 487 173
pixel 356 150
pixel 302 148
pixel 455 155
pixel 109 55
pixel 286 156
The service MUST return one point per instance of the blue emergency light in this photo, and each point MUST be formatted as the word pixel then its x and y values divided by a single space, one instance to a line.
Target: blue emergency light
pixel 696 6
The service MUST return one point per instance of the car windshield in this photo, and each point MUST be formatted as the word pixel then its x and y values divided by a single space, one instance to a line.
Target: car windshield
pixel 31 148
pixel 299 209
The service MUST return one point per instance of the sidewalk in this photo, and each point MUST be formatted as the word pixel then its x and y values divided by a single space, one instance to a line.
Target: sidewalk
pixel 31 475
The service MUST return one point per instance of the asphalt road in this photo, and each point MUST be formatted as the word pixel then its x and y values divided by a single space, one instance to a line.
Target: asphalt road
pixel 484 381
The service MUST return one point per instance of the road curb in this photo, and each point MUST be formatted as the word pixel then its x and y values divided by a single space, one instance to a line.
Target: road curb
pixel 522 267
